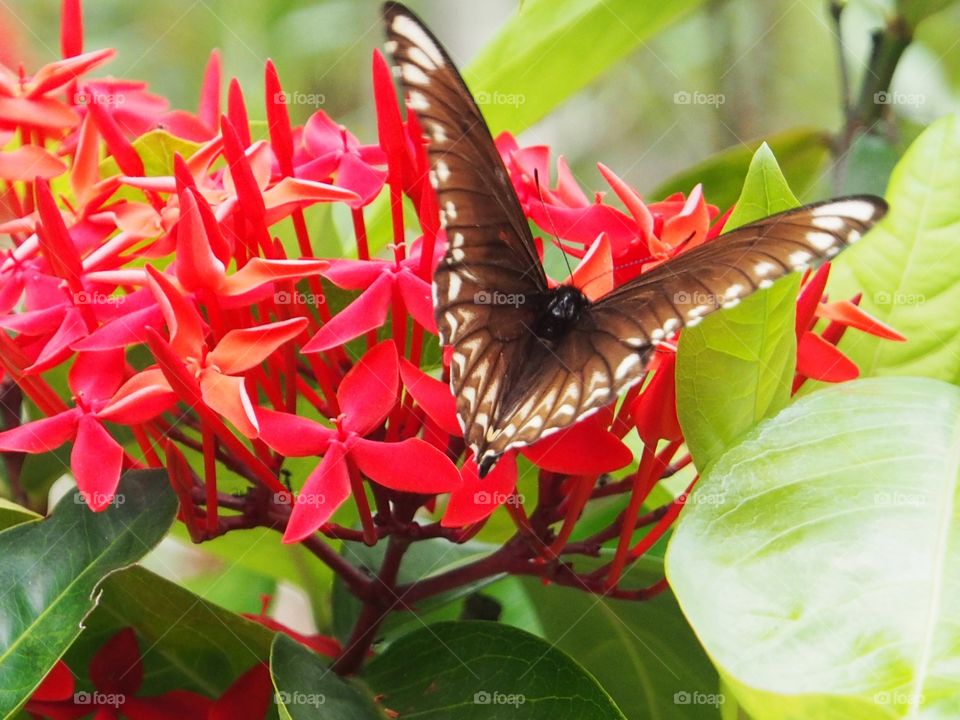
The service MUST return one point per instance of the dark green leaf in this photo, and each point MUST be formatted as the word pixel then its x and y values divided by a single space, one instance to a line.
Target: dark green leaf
pixel 307 688
pixel 643 653
pixel 802 155
pixel 480 670
pixel 54 567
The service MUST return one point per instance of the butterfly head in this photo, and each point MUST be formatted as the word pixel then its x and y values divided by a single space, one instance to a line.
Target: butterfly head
pixel 563 306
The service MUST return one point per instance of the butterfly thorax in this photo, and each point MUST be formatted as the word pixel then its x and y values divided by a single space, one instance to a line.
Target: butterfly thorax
pixel 563 307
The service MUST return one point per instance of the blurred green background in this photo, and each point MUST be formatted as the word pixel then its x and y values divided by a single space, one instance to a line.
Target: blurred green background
pixel 771 66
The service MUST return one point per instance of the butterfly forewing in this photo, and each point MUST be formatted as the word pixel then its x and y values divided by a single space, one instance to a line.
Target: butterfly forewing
pixel 489 281
pixel 513 386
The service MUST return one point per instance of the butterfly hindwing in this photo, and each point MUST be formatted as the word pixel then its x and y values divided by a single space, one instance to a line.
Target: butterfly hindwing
pixel 607 350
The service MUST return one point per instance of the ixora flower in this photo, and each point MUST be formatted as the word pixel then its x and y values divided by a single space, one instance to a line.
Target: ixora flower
pixel 366 396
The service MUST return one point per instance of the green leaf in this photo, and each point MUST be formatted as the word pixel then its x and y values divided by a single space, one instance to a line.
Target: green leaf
pixel 156 149
pixel 643 653
pixel 52 570
pixel 906 266
pixel 307 688
pixel 550 49
pixel 735 368
pixel 421 560
pixel 12 514
pixel 913 11
pixel 187 641
pixel 479 670
pixel 803 154
pixel 829 541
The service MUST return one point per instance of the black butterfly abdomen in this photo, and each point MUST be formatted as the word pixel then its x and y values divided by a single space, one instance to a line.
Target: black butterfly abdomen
pixel 560 311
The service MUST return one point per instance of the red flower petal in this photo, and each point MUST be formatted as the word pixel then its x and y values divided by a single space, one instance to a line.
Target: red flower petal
pixel 197 265
pixel 411 465
pixel 179 704
pixel 247 698
pixel 57 685
pixel 96 461
pixel 365 313
pixel 141 398
pixel 240 350
pixel 418 299
pixel 433 395
pixel 117 667
pixel 227 395
pixel 28 162
pixel 324 491
pixel 43 435
pixel 369 391
pixel 209 110
pixel 586 448
pixel 477 498
pixel 594 274
pixel 258 272
pixel 293 436
pixel 851 315
pixel 809 298
pixel 818 359
pixel 183 321
pixel 654 412
pixel 97 375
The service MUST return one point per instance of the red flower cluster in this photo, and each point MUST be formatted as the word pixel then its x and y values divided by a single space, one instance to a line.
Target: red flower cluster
pixel 116 676
pixel 248 362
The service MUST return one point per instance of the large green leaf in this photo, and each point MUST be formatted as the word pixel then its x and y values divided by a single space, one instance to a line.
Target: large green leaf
pixel 735 368
pixel 187 641
pixel 819 559
pixel 907 266
pixel 550 49
pixel 802 153
pixel 643 653
pixel 52 569
pixel 307 688
pixel 478 670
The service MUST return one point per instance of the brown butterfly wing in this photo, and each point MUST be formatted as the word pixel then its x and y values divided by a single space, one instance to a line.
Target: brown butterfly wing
pixel 488 284
pixel 607 351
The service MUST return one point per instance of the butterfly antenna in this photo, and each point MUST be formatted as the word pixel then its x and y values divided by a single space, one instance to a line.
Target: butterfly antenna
pixel 553 228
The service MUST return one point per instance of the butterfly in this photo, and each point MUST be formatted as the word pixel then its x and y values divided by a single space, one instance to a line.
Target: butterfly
pixel 529 360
